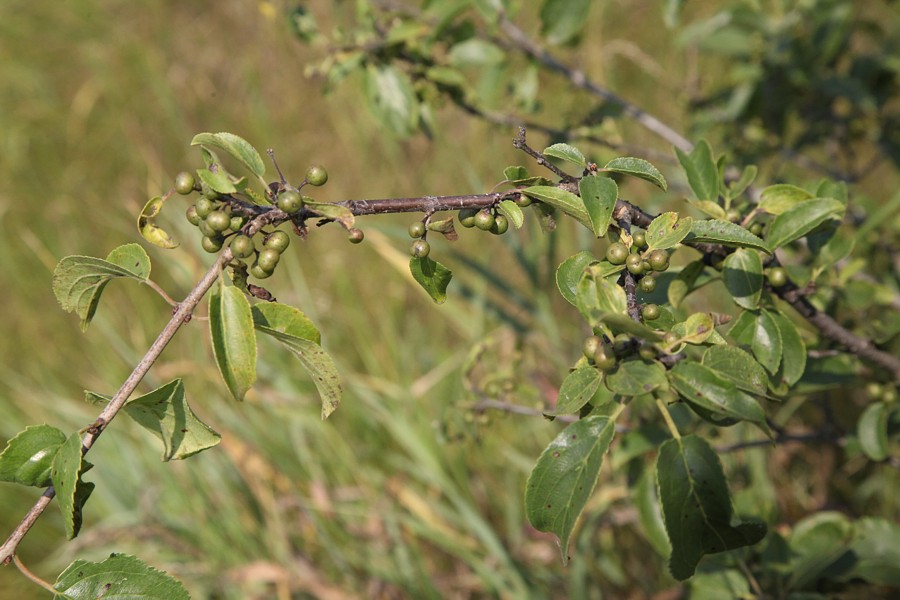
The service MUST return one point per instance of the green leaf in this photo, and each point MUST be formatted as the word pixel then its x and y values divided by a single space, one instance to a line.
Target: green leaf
pixel 149 230
pixel 793 350
pixel 285 319
pixel 565 475
pixel 743 277
pixel 701 170
pixel 118 577
pixel 512 212
pixel 563 20
pixel 697 505
pixel 599 195
pixel 28 456
pixel 65 473
pixel 475 52
pixel 566 152
pixel 646 501
pixel 218 181
pixel 577 389
pixel 736 188
pixel 709 208
pixel 316 361
pixel 233 338
pixel 767 345
pixel 391 98
pixel 872 430
pixel 515 173
pixel 569 273
pixel 684 282
pixel 165 413
pixel 738 366
pixel 696 329
pixel 637 167
pixel 235 146
pixel 876 552
pixel 801 219
pixel 667 231
pixel 596 297
pixel 622 323
pixel 714 396
pixel 636 377
pixel 432 276
pixel 778 198
pixel 816 544
pixel 78 281
pixel 718 231
pixel 561 199
pixel 333 211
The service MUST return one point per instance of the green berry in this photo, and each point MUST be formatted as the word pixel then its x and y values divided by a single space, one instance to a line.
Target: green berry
pixel 242 246
pixel 316 175
pixel 204 206
pixel 670 338
pixel 874 390
pixel 184 183
pixel 659 260
pixel 218 221
pixel 589 348
pixel 645 266
pixel 268 259
pixel 420 249
pixel 648 284
pixel 647 352
pixel 278 241
pixel 206 230
pixel 210 193
pixel 467 217
pixel 523 201
pixel 617 253
pixel 777 276
pixel 192 216
pixel 484 220
pixel 650 312
pixel 501 225
pixel 756 229
pixel 622 344
pixel 639 238
pixel 356 236
pixel 416 229
pixel 237 223
pixel 259 273
pixel 634 264
pixel 604 358
pixel 212 244
pixel 290 201
pixel 733 215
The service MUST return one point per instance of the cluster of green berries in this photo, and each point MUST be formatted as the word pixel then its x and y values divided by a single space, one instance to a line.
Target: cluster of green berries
pixel 215 221
pixel 605 354
pixel 638 263
pixel 420 248
pixel 484 219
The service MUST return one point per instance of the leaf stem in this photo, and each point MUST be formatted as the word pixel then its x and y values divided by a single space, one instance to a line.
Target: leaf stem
pixel 668 418
pixel 34 578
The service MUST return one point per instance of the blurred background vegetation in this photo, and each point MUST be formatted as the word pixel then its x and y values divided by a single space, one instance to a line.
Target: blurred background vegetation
pixel 410 489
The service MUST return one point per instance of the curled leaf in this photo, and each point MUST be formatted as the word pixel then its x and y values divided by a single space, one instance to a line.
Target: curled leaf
pixel 149 230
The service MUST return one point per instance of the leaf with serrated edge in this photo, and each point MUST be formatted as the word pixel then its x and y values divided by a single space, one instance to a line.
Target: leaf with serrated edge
pixel 233 338
pixel 317 363
pixel 566 152
pixel 515 173
pixel 569 273
pixel 696 329
pixel 697 505
pixel 218 181
pixel 701 170
pixel 65 473
pixel 667 231
pixel 801 219
pixel 28 456
pixel 561 199
pixel 743 277
pixel 778 198
pixel 165 413
pixel 149 230
pixel 78 281
pixel 565 475
pixel 118 577
pixel 714 396
pixel 738 366
pixel 236 146
pixel 599 195
pixel 286 319
pixel 432 276
pixel 576 390
pixel 637 167
pixel 636 377
pixel 513 212
pixel 717 231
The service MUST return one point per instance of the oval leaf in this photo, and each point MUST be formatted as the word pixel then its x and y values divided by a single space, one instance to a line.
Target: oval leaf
pixel 233 338
pixel 576 390
pixel 636 377
pixel 767 345
pixel 566 152
pixel 637 167
pixel 667 231
pixel 237 147
pixel 570 272
pixel 778 198
pixel 65 472
pixel 28 456
pixel 391 98
pixel 599 195
pixel 793 349
pixel 872 430
pixel 716 396
pixel 697 506
pixel 285 319
pixel 718 231
pixel 701 171
pixel 561 199
pixel 802 218
pixel 738 366
pixel 513 212
pixel 119 576
pixel 565 475
pixel 597 297
pixel 743 277
pixel 149 230
pixel 432 276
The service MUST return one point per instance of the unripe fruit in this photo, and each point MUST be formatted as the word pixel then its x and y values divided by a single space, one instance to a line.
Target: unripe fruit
pixel 634 264
pixel 484 220
pixel 420 249
pixel 192 216
pixel 289 201
pixel 733 215
pixel 647 352
pixel 874 390
pixel 645 266
pixel 278 241
pixel 659 260
pixel 589 348
pixel 622 344
pixel 604 358
pixel 416 229
pixel 204 206
pixel 617 253
pixel 648 284
pixel 756 229
pixel 268 259
pixel 218 221
pixel 316 175
pixel 212 244
pixel 237 223
pixel 640 239
pixel 650 312
pixel 777 276
pixel 501 225
pixel 206 230
pixel 184 183
pixel 523 201
pixel 356 236
pixel 670 338
pixel 467 217
pixel 258 273
pixel 242 246
pixel 210 193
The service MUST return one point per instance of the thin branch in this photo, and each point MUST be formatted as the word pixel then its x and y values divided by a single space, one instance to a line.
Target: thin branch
pixel 34 578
